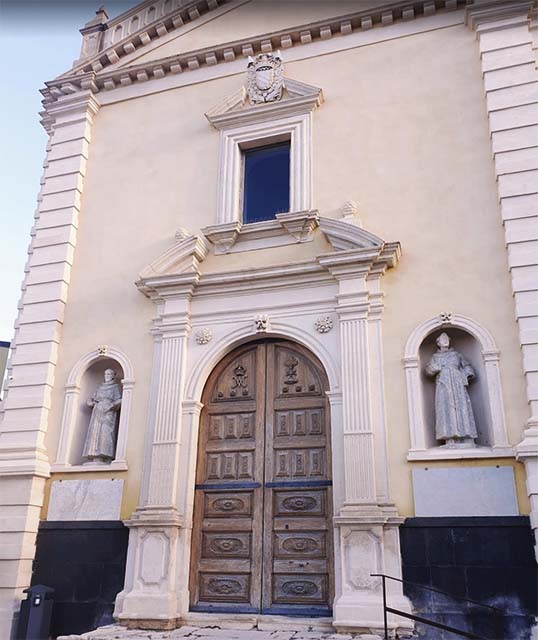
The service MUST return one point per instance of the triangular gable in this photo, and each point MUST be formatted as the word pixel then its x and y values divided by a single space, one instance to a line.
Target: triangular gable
pixel 120 46
pixel 156 29
pixel 106 42
pixel 294 93
pixel 236 20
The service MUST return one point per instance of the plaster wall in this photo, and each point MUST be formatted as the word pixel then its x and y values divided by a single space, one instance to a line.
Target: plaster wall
pixel 403 131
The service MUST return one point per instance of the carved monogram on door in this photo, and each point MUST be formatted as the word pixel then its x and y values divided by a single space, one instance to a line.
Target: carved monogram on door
pixel 262 537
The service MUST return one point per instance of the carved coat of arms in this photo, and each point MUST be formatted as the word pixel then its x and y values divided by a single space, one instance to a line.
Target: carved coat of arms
pixel 265 78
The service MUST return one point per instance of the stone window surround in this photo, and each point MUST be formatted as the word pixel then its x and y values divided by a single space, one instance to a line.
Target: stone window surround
pixel 70 411
pixel 297 129
pixel 500 447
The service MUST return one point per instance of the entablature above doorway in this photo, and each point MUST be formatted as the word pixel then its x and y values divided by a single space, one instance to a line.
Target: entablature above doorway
pixel 352 253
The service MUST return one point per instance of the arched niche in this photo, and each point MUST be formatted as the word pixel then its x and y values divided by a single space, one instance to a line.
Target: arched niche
pixel 84 379
pixel 478 347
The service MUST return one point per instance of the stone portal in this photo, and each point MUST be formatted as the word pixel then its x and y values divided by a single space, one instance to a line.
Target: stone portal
pixel 262 538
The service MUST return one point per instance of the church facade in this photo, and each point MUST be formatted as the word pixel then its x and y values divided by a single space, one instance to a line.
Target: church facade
pixel 278 331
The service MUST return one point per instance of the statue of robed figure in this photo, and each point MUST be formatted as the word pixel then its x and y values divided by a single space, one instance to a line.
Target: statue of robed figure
pixel 100 444
pixel 454 419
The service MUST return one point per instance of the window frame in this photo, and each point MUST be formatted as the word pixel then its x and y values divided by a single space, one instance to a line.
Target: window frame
pixel 248 148
pixel 297 129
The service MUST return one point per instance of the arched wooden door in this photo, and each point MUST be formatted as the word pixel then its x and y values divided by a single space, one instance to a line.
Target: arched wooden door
pixel 262 536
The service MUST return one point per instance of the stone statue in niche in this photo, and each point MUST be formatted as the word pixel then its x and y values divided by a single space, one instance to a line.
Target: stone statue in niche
pixel 100 444
pixel 454 419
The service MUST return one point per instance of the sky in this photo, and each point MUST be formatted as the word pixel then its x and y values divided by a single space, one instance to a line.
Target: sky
pixel 39 39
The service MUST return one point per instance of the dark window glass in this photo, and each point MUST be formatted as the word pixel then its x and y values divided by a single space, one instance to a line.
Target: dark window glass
pixel 266 186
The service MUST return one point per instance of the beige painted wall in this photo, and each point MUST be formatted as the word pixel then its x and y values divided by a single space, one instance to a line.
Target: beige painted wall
pixel 403 131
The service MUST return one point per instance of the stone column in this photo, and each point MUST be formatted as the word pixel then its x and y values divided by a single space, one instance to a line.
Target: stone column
pixel 366 526
pixel 360 486
pixel 505 46
pixel 153 581
pixel 24 464
pixel 379 426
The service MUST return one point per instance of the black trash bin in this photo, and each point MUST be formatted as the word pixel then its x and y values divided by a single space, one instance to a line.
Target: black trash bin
pixel 35 614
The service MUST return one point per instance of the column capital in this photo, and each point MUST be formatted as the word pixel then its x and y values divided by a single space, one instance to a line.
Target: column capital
pixel 69 107
pixel 528 447
pixel 192 407
pixel 496 14
pixel 351 264
pixel 352 309
pixel 173 328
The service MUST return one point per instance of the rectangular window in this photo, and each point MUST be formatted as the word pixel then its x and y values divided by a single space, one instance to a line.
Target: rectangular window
pixel 266 182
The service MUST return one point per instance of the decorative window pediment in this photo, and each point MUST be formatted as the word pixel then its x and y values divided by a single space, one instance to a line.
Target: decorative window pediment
pixel 236 110
pixel 269 109
pixel 352 246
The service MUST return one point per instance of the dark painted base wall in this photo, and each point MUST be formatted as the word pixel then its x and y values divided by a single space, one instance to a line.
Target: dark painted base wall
pixel 488 559
pixel 85 563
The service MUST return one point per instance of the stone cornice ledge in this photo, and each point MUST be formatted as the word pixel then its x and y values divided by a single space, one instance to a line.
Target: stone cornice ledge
pixel 97 80
pixel 18 461
pixel 356 253
pixel 286 229
pixel 481 13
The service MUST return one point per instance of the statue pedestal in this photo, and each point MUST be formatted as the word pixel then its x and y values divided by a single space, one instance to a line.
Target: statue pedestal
pixel 459 443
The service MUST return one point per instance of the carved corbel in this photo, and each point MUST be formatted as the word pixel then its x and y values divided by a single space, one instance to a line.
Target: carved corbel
pixel 299 225
pixel 223 236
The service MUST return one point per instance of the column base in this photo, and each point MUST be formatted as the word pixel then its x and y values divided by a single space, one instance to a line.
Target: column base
pixel 153 596
pixel 363 613
pixel 527 452
pixel 369 543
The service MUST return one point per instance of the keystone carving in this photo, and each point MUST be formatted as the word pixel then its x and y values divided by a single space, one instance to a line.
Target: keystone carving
pixel 261 323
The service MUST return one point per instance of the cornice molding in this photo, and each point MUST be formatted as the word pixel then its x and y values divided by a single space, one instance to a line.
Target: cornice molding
pixel 481 13
pixel 83 103
pixel 177 271
pixel 98 78
pixel 110 50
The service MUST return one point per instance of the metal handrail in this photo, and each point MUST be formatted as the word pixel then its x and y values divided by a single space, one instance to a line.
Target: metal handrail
pixel 431 623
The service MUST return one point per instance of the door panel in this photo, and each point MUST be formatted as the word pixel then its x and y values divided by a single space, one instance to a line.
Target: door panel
pixel 228 512
pixel 262 537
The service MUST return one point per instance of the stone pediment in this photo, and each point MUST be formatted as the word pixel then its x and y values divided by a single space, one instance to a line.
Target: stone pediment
pixel 237 110
pixel 352 247
pixel 105 42
pixel 136 46
pixel 182 257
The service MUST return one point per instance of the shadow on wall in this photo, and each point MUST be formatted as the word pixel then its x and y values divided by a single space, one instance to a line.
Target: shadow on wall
pixel 487 559
pixel 4 354
pixel 84 562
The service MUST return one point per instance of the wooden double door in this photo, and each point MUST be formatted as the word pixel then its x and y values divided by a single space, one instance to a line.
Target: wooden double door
pixel 262 535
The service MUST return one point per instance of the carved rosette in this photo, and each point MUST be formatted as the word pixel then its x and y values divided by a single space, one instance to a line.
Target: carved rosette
pixel 324 324
pixel 265 78
pixel 203 336
pixel 102 350
pixel 445 317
